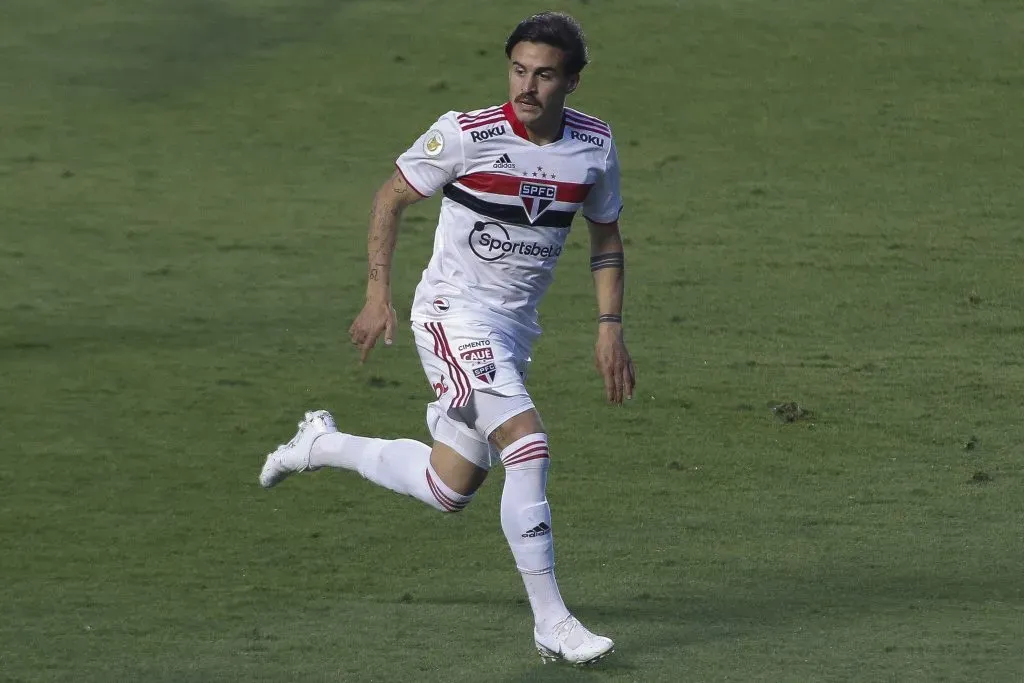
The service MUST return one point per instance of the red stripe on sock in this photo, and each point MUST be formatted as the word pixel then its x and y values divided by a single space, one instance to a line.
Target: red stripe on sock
pixel 520 461
pixel 437 493
pixel 525 452
pixel 527 446
pixel 447 502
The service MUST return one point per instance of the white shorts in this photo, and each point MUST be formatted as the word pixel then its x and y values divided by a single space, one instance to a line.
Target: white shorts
pixel 478 375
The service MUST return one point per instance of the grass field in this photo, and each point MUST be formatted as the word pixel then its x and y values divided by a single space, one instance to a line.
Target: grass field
pixel 825 204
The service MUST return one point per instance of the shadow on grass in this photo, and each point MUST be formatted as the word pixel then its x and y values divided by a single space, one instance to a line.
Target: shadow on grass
pixel 663 627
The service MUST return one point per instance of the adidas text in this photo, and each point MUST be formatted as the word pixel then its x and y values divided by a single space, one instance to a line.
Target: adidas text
pixel 504 161
pixel 539 530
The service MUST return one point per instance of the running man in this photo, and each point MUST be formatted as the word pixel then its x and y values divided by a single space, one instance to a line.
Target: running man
pixel 513 177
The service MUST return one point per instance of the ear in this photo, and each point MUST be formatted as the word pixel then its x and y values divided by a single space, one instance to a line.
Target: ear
pixel 574 82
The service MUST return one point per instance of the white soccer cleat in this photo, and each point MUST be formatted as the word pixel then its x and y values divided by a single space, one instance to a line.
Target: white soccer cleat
pixel 572 641
pixel 293 456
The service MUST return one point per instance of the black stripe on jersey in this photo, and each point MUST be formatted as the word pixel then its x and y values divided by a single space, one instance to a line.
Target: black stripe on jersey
pixel 505 213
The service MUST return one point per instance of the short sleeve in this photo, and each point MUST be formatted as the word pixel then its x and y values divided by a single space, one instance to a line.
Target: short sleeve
pixel 435 159
pixel 604 202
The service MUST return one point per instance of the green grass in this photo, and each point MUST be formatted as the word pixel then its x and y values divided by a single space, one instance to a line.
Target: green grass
pixel 824 205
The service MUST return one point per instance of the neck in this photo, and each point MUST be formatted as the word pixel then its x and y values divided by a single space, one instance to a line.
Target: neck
pixel 546 129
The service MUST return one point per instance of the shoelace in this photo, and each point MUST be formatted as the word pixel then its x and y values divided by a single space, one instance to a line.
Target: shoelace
pixel 565 627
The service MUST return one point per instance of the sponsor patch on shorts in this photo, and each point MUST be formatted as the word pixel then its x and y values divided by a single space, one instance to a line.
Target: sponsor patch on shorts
pixel 441 304
pixel 478 354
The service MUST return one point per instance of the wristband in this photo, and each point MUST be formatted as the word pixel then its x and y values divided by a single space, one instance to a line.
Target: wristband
pixel 609 318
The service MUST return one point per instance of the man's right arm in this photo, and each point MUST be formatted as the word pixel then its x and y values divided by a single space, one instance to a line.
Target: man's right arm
pixel 388 204
pixel 434 160
pixel 378 315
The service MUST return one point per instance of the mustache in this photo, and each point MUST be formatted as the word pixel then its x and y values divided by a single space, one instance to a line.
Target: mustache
pixel 526 99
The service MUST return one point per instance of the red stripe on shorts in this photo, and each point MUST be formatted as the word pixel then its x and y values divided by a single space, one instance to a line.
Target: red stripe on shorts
pixel 440 353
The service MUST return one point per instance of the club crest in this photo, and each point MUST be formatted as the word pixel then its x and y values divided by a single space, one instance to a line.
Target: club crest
pixel 536 198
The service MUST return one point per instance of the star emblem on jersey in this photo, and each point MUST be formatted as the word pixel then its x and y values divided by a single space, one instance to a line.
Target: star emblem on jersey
pixel 536 197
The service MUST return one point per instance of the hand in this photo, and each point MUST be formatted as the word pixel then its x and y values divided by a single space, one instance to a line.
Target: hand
pixel 611 358
pixel 377 317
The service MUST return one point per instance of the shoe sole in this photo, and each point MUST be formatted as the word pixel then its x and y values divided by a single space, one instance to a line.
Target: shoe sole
pixel 547 656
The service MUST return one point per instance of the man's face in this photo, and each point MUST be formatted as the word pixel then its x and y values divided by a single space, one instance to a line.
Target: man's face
pixel 537 81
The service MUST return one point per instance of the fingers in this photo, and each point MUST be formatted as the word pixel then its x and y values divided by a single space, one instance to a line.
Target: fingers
pixel 389 327
pixel 356 335
pixel 609 384
pixel 368 327
pixel 364 339
pixel 628 380
pixel 364 348
pixel 616 373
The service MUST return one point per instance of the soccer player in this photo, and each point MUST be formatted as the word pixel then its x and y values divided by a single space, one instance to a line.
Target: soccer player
pixel 513 177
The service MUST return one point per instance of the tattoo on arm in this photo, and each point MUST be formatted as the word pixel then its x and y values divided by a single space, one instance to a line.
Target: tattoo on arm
pixel 375 209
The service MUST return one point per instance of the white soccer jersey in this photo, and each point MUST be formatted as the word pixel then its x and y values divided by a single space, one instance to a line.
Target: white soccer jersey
pixel 507 207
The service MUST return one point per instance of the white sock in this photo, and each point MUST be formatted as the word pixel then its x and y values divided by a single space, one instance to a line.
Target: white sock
pixel 526 521
pixel 545 600
pixel 402 465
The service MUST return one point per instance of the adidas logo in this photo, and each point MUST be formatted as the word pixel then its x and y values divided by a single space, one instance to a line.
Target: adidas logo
pixel 504 162
pixel 538 530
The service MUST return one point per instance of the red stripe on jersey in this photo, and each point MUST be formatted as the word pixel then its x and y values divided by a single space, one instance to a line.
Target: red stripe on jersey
pixel 498 183
pixel 583 126
pixel 576 121
pixel 402 173
pixel 483 112
pixel 483 122
pixel 517 126
pixel 579 123
pixel 587 119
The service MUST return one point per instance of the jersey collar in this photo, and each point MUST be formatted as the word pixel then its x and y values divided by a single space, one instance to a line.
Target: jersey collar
pixel 519 129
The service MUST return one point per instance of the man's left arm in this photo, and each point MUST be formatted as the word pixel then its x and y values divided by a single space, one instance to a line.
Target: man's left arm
pixel 607 263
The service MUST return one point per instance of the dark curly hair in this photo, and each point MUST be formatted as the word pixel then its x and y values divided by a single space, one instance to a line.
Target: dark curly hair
pixel 557 30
